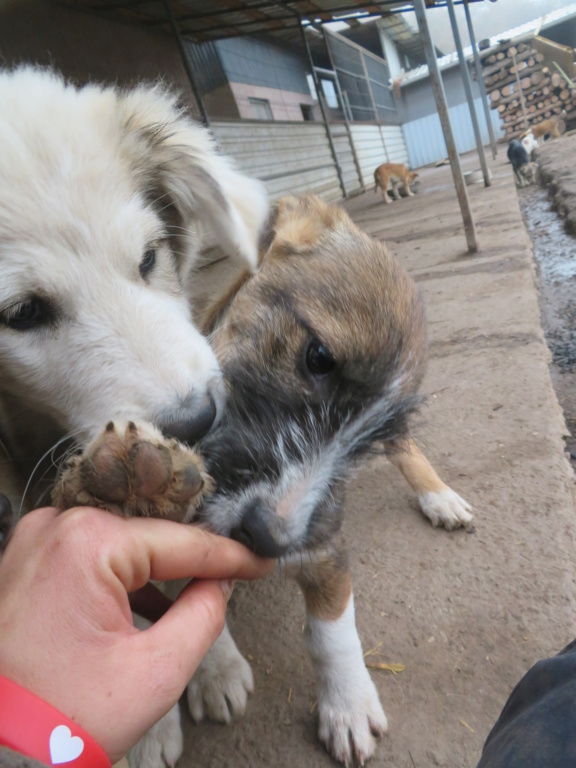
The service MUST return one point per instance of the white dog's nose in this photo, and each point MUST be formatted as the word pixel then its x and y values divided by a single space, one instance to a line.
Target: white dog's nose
pixel 190 423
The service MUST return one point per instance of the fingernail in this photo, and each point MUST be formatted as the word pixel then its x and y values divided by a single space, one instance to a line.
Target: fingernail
pixel 227 587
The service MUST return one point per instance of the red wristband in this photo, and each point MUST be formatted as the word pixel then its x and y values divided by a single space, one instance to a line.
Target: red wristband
pixel 35 728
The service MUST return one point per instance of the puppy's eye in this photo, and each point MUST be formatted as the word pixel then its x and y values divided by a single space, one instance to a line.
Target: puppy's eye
pixel 25 315
pixel 318 360
pixel 148 261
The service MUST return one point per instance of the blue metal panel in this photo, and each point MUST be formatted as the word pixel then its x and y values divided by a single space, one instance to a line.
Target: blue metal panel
pixel 425 141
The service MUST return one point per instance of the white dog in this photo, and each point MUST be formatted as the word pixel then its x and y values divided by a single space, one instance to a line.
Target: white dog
pixel 106 198
pixel 530 143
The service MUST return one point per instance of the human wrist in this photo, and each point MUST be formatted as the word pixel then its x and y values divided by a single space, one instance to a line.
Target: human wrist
pixel 35 728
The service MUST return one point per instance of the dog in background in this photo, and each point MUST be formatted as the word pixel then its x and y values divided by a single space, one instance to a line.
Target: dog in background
pixel 524 170
pixel 530 144
pixel 107 198
pixel 547 127
pixel 315 384
pixel 393 173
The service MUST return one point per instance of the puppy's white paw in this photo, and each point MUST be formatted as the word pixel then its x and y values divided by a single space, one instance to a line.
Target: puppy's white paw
pixel 446 509
pixel 351 720
pixel 220 687
pixel 351 716
pixel 161 746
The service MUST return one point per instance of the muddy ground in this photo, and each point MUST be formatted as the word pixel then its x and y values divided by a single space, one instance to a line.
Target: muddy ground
pixel 467 614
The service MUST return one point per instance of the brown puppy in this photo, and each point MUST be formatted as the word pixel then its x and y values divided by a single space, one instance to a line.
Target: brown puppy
pixel 322 351
pixel 393 172
pixel 547 127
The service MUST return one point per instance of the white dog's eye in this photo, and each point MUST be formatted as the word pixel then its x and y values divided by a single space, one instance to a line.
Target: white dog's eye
pixel 25 315
pixel 148 262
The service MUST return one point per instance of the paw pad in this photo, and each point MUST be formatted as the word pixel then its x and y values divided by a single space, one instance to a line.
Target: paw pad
pixel 134 471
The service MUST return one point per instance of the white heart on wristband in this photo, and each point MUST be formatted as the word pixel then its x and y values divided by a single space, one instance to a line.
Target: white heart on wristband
pixel 63 746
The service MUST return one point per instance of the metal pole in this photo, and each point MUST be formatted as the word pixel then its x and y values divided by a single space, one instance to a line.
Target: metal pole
pixel 186 62
pixel 322 107
pixel 520 92
pixel 346 117
pixel 480 78
pixel 442 106
pixel 468 89
pixel 374 107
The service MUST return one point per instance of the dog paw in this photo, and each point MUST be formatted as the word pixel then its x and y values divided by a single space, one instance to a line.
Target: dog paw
pixel 133 471
pixel 447 509
pixel 161 746
pixel 350 725
pixel 220 687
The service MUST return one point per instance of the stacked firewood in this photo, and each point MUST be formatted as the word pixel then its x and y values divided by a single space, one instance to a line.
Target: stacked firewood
pixel 523 89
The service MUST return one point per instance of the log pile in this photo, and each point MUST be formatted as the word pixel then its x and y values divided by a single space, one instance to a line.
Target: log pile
pixel 523 89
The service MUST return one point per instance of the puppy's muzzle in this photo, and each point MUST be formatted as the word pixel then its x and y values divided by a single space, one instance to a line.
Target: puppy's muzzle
pixel 254 530
pixel 191 421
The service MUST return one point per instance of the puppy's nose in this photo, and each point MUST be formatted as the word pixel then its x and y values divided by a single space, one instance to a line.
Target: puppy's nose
pixel 189 425
pixel 255 534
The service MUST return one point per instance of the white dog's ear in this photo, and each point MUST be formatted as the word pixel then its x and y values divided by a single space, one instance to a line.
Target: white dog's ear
pixel 179 165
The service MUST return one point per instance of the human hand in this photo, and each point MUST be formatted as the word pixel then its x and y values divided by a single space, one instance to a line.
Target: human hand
pixel 66 631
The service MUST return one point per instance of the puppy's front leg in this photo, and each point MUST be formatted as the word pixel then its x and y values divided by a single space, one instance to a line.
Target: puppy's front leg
pixel 441 505
pixel 349 709
pixel 220 687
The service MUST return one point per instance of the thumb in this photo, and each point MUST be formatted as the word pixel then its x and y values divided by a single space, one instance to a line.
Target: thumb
pixel 187 631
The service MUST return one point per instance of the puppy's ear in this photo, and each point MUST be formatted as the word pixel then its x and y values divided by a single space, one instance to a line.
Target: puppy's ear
pixel 296 224
pixel 178 164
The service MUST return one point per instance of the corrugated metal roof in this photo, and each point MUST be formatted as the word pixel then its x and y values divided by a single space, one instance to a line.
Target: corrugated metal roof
pixel 402 34
pixel 204 20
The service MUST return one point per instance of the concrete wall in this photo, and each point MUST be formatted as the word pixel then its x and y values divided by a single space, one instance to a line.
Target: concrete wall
pixel 285 105
pixel 87 47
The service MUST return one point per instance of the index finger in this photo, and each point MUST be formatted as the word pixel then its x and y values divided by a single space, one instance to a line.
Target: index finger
pixel 164 550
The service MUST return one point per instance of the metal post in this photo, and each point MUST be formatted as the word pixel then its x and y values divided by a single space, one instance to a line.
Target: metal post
pixel 186 62
pixel 480 79
pixel 520 92
pixel 374 107
pixel 350 135
pixel 322 107
pixel 468 89
pixel 442 106
pixel 345 106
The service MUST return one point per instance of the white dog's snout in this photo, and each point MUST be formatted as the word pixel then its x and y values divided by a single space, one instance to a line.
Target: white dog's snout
pixel 193 416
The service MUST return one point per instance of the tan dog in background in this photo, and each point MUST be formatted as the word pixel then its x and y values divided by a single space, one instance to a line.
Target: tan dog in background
pixel 393 173
pixel 547 127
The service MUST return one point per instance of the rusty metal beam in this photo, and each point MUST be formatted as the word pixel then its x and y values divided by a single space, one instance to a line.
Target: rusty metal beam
pixel 320 96
pixel 480 79
pixel 187 65
pixel 442 106
pixel 465 72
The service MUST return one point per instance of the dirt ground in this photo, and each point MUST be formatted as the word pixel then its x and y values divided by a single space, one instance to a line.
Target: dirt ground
pixel 466 614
